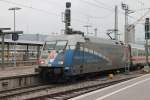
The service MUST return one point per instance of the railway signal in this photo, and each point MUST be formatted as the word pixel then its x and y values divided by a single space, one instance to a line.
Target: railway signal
pixel 68 4
pixel 147 36
pixel 147 28
pixel 67 17
pixel 15 37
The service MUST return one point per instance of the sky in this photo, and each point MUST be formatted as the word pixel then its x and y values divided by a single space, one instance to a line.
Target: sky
pixel 45 16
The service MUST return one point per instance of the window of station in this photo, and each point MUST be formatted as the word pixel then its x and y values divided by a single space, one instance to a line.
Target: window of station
pixel 22 52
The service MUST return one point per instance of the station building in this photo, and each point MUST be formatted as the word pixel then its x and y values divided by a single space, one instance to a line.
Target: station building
pixel 25 50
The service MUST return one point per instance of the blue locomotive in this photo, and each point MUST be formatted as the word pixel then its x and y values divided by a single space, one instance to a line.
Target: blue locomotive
pixel 66 56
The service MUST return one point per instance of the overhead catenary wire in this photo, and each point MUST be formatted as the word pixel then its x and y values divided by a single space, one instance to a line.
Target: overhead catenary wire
pixel 103 4
pixel 36 9
pixel 141 18
pixel 51 2
pixel 101 17
pixel 50 13
pixel 104 7
pixel 30 7
pixel 96 5
pixel 80 12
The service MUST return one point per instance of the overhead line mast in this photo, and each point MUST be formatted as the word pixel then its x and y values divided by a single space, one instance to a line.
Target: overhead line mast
pixel 125 7
pixel 116 23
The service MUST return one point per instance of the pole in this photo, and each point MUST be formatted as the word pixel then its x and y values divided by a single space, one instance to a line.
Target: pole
pixel 87 28
pixel 116 22
pixel 3 48
pixel 126 9
pixel 126 35
pixel 127 12
pixel 14 20
pixel 95 32
pixel 126 25
pixel 14 9
pixel 147 36
pixel 146 49
pixel 14 41
pixel 66 27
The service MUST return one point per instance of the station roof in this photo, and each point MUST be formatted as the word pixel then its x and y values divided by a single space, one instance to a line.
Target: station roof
pixel 23 42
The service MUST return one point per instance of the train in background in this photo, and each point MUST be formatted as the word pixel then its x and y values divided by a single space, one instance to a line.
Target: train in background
pixel 67 56
pixel 138 55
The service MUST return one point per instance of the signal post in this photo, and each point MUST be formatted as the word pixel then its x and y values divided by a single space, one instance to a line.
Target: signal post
pixel 147 36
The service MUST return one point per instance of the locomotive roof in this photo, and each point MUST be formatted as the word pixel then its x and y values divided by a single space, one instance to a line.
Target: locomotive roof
pixel 79 38
pixel 102 40
pixel 72 39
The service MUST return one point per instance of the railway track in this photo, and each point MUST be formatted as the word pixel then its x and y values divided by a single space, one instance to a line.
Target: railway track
pixel 64 95
pixel 62 91
pixel 6 95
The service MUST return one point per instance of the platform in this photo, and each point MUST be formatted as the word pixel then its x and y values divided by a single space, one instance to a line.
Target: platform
pixel 16 71
pixel 135 89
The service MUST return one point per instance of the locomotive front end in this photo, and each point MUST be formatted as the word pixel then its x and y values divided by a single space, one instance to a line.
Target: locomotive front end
pixel 56 58
pixel 51 61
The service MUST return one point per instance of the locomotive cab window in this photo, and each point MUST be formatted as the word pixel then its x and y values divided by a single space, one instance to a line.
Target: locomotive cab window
pixel 55 45
pixel 49 45
pixel 61 45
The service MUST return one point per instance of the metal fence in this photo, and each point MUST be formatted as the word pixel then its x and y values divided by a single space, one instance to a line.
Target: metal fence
pixel 22 54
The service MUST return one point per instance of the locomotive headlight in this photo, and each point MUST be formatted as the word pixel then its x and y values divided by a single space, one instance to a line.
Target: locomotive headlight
pixel 49 64
pixel 60 62
pixel 42 62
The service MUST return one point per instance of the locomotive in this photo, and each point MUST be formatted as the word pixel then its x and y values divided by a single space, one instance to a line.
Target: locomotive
pixel 67 56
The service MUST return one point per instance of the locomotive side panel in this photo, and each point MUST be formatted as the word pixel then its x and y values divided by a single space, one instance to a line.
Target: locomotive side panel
pixel 96 57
